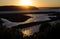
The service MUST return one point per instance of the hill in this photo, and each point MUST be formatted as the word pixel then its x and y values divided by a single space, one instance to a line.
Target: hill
pixel 17 8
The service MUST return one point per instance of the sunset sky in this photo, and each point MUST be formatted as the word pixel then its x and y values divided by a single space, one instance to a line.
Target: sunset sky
pixel 38 3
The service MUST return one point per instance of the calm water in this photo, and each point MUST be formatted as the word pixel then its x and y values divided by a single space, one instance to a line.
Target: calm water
pixel 35 18
pixel 30 30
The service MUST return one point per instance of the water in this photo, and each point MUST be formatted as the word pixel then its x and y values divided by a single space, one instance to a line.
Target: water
pixel 35 17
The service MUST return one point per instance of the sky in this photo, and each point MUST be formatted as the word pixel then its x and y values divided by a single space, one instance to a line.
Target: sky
pixel 38 3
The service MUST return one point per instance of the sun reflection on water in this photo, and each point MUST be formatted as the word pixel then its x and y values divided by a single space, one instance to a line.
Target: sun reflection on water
pixel 35 17
pixel 27 32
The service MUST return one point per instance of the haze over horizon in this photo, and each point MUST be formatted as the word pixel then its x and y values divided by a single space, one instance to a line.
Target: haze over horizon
pixel 37 3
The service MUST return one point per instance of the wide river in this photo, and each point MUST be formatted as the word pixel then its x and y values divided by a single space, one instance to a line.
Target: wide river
pixel 34 18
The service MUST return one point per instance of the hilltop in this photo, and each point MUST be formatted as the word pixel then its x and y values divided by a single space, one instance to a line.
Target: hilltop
pixel 17 8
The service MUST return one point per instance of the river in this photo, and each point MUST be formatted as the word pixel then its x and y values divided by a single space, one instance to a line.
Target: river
pixel 34 18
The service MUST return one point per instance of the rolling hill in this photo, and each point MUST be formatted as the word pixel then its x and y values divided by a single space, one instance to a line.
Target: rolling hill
pixel 17 8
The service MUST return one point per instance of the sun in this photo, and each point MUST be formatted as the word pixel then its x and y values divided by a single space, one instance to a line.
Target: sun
pixel 26 3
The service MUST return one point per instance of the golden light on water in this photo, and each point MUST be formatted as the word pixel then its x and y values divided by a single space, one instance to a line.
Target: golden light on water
pixel 26 3
pixel 26 32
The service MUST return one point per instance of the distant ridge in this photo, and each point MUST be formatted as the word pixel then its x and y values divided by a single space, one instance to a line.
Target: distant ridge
pixel 17 8
pixel 49 7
